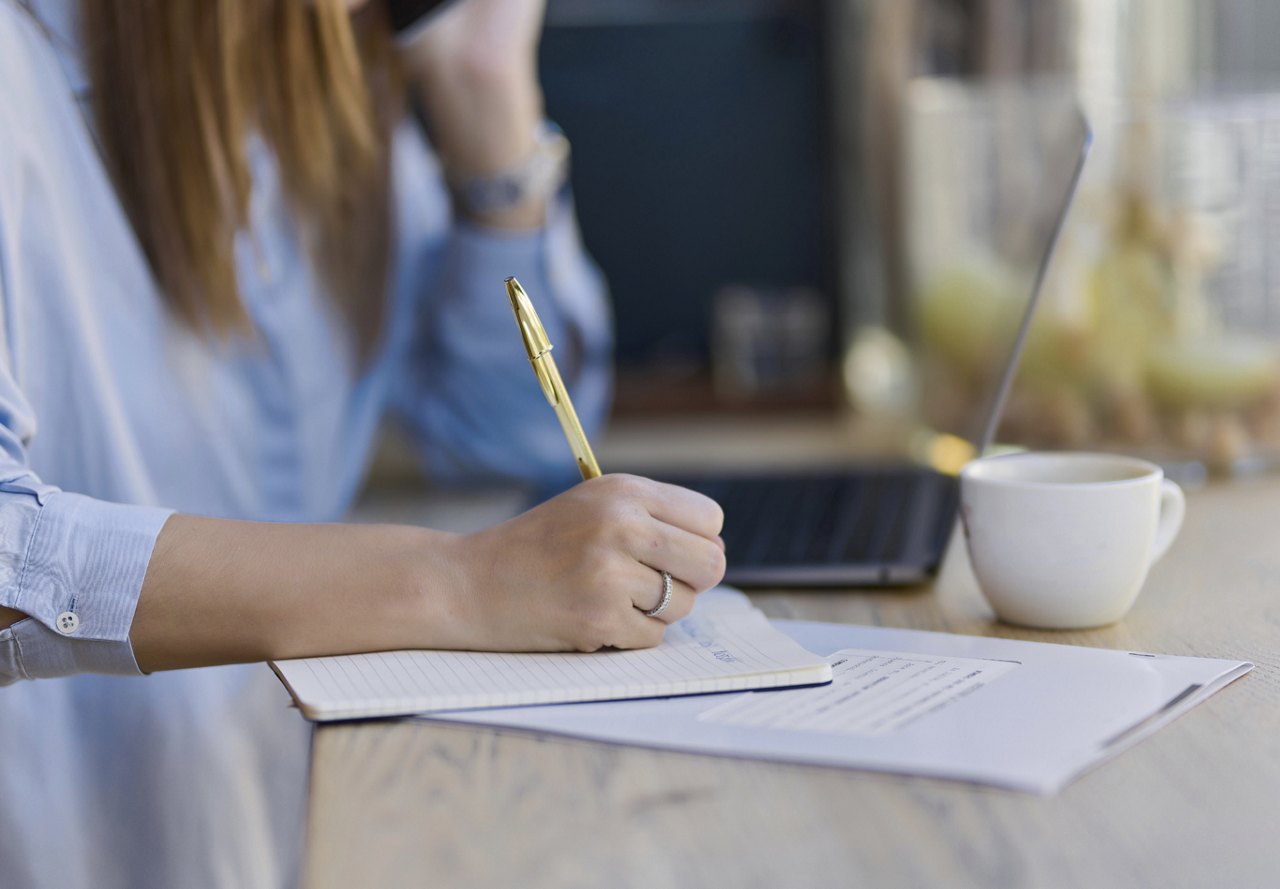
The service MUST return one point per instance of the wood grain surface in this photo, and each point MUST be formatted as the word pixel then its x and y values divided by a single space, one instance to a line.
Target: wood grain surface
pixel 399 803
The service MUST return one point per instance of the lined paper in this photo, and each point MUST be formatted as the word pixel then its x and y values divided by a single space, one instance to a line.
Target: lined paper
pixel 872 693
pixel 728 647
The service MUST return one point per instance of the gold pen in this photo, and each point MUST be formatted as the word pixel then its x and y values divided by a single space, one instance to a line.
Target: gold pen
pixel 544 366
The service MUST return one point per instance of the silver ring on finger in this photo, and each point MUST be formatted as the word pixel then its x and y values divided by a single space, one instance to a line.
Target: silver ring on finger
pixel 666 597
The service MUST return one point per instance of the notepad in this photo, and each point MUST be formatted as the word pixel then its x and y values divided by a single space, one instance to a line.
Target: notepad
pixel 726 646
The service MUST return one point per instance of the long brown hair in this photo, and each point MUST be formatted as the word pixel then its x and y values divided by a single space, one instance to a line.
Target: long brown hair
pixel 179 86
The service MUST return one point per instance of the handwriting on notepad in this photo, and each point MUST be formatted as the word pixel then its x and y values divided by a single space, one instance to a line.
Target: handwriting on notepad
pixel 701 633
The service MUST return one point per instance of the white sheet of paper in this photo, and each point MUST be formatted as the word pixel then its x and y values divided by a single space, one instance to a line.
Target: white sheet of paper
pixel 1041 715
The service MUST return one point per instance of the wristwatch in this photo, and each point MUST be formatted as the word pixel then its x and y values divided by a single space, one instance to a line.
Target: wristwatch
pixel 538 176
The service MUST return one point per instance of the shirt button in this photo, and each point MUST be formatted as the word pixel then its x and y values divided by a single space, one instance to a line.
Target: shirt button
pixel 67 623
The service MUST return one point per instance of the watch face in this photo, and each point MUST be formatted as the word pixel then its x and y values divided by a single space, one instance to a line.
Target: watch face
pixel 405 14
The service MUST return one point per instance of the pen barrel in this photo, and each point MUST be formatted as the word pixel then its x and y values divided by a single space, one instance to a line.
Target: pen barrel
pixel 538 348
pixel 568 417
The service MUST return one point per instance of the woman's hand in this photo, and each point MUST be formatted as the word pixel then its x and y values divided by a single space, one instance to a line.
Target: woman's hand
pixel 475 69
pixel 573 573
pixel 577 571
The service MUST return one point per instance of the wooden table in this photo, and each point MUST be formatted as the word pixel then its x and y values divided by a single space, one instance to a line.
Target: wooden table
pixel 399 803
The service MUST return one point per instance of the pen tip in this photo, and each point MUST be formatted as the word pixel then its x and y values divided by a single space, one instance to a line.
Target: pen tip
pixel 535 338
pixel 515 292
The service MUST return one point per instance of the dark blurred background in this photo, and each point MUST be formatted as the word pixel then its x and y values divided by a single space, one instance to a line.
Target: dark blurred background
pixel 701 164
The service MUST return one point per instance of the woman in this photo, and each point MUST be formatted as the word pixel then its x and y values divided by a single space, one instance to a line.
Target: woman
pixel 225 255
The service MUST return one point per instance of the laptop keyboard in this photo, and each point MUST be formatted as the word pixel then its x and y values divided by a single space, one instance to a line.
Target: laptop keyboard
pixel 815 519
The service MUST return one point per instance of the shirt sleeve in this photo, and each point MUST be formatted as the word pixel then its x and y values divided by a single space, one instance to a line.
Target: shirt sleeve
pixel 468 397
pixel 74 564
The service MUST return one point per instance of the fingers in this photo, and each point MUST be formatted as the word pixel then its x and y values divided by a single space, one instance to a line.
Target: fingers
pixel 678 531
pixel 694 512
pixel 616 620
pixel 638 631
pixel 631 628
pixel 697 562
pixel 647 594
pixel 606 542
pixel 671 504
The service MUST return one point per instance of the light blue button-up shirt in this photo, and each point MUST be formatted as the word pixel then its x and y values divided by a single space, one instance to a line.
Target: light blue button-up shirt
pixel 113 414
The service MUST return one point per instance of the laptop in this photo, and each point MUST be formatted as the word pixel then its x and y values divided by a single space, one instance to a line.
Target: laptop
pixel 882 524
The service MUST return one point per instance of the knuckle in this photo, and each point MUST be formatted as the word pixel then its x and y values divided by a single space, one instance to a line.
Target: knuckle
pixel 715 517
pixel 710 570
pixel 592 501
pixel 625 525
pixel 606 528
pixel 719 563
pixel 626 486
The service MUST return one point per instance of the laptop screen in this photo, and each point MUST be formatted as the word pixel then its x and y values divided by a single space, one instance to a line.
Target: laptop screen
pixel 991 174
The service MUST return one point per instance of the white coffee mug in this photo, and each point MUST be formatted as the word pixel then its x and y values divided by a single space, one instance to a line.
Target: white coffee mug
pixel 1065 540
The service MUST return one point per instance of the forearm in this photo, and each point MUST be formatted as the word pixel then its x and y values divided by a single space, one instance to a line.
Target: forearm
pixel 577 572
pixel 484 120
pixel 475 72
pixel 565 575
pixel 220 591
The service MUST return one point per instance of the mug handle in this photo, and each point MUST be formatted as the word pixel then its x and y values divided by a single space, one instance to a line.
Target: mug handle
pixel 1173 506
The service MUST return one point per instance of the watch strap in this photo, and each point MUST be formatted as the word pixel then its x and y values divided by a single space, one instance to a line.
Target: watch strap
pixel 542 172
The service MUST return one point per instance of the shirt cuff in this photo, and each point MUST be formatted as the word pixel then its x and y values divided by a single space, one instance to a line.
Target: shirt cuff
pixel 30 650
pixel 553 257
pixel 79 582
